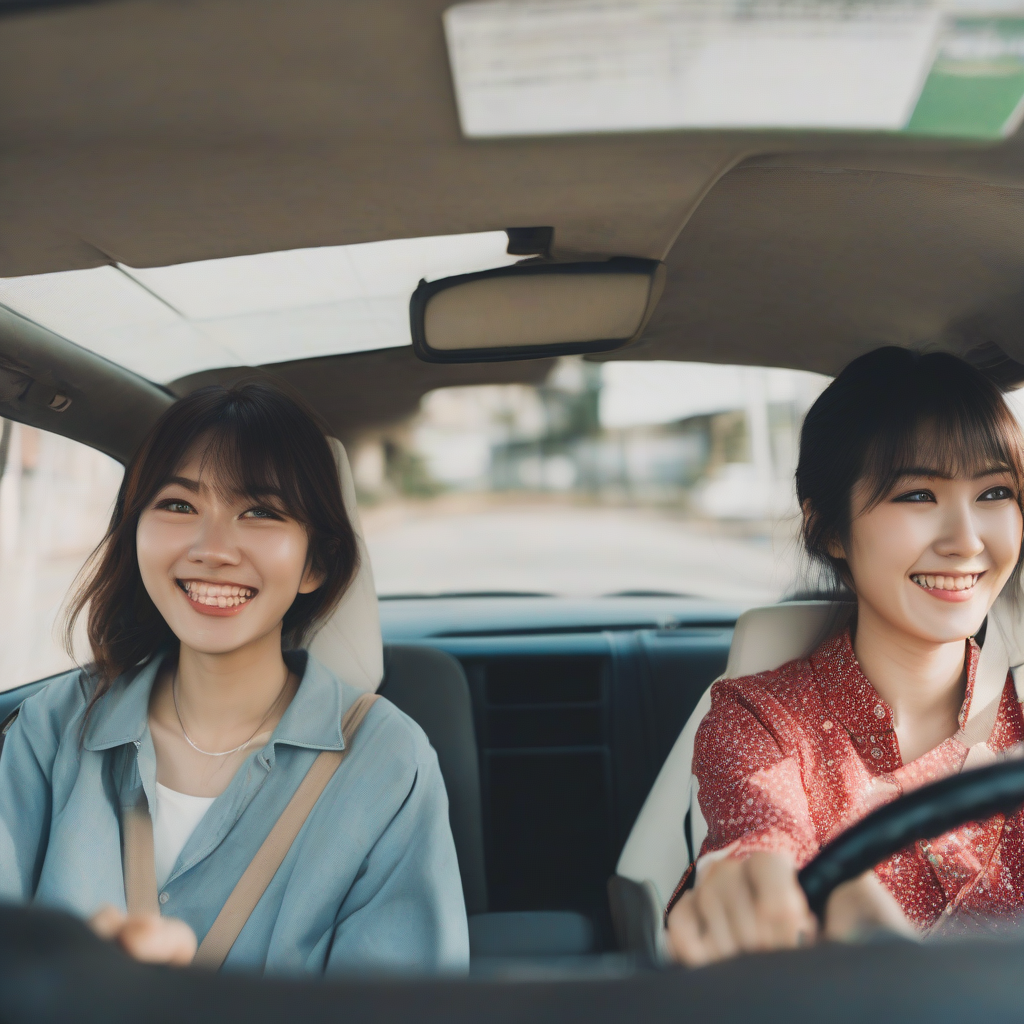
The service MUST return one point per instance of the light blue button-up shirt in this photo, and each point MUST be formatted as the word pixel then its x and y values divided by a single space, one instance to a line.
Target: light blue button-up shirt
pixel 370 884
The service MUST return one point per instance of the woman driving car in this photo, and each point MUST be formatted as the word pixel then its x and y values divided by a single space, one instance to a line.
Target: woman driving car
pixel 910 483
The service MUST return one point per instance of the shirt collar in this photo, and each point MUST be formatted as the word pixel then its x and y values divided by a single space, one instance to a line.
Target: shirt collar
pixel 851 698
pixel 121 714
pixel 313 719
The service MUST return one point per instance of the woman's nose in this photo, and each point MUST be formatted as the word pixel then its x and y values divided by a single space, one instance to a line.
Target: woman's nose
pixel 214 541
pixel 960 536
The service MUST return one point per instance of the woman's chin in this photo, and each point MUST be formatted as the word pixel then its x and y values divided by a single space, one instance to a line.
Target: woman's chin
pixel 211 648
pixel 946 625
pixel 218 636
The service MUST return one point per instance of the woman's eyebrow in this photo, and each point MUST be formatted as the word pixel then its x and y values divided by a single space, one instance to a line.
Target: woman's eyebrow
pixel 926 471
pixel 238 492
pixel 183 481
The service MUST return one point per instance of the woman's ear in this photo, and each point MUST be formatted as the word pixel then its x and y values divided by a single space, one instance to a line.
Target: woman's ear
pixel 835 549
pixel 832 545
pixel 311 580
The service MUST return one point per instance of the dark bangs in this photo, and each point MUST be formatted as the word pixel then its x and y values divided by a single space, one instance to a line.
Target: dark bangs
pixel 890 412
pixel 255 441
pixel 951 425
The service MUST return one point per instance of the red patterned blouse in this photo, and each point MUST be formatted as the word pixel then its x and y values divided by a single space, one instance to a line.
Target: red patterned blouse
pixel 788 759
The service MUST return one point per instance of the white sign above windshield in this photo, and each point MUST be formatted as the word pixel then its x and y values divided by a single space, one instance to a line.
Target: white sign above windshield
pixel 538 67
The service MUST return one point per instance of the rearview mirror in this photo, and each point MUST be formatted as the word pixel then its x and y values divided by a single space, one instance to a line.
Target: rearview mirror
pixel 531 310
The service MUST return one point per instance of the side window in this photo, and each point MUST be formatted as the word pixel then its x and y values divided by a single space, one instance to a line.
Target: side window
pixel 56 496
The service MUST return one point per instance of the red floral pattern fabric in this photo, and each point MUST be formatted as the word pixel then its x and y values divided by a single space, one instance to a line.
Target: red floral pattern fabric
pixel 786 760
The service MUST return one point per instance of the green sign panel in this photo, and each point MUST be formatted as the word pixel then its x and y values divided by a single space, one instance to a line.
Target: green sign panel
pixel 975 88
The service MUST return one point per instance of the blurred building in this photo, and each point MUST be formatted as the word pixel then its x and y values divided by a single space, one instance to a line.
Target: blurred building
pixel 718 441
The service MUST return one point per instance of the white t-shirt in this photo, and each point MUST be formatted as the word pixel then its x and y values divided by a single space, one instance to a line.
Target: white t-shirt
pixel 174 820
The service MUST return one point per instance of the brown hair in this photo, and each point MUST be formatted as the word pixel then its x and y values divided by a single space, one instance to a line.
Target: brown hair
pixel 270 447
pixel 870 423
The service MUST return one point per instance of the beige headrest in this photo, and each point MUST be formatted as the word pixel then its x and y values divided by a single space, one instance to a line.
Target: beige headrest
pixel 766 638
pixel 349 642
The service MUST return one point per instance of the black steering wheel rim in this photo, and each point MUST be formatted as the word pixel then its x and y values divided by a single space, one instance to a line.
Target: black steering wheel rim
pixel 925 813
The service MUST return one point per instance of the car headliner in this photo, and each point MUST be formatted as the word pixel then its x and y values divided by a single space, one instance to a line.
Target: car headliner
pixel 153 132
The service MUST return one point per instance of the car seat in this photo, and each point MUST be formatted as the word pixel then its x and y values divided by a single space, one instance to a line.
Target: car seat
pixel 670 829
pixel 430 686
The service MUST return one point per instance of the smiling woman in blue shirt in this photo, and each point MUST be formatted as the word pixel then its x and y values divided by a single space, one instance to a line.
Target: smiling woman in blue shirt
pixel 205 781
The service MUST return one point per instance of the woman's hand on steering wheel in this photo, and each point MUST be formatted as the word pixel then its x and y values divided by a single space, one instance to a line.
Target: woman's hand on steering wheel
pixel 149 938
pixel 755 903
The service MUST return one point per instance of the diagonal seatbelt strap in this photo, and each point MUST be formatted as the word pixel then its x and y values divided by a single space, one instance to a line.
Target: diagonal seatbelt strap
pixel 989 682
pixel 140 872
pixel 138 862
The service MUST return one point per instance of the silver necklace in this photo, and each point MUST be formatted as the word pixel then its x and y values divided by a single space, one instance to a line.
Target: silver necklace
pixel 233 750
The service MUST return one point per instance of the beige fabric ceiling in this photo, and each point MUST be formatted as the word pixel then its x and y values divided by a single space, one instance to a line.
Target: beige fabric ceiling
pixel 156 132
pixel 817 266
pixel 159 131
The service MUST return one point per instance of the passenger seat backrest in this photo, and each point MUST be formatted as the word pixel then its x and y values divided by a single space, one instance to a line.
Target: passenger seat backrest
pixel 430 687
pixel 349 642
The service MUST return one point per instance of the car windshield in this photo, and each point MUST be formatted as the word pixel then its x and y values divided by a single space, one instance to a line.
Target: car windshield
pixel 626 477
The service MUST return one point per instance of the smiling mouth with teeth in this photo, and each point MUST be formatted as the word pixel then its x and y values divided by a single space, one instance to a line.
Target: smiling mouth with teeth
pixel 217 595
pixel 928 581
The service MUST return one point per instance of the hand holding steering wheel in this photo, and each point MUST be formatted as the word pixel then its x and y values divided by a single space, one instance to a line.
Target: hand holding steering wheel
pixel 759 902
pixel 923 814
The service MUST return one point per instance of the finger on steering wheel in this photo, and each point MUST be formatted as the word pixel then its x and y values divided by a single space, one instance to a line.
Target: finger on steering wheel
pixel 741 911
pixel 685 936
pixel 714 917
pixel 783 915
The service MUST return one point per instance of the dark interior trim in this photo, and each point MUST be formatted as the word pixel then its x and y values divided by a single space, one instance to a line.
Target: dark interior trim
pixel 51 383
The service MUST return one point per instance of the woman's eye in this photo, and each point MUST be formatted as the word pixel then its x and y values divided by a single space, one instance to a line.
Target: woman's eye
pixel 175 505
pixel 916 496
pixel 996 494
pixel 260 513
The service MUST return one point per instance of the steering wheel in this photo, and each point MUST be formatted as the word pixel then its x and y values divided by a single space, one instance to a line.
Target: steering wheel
pixel 923 814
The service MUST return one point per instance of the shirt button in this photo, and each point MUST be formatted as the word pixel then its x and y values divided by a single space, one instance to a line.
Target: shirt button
pixel 876 753
pixel 164 897
pixel 879 711
pixel 826 725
